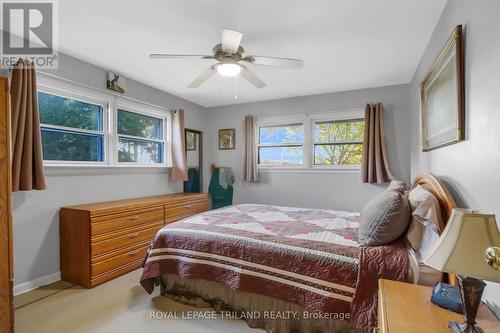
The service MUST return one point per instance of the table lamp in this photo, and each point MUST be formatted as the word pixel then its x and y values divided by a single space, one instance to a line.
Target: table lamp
pixel 469 247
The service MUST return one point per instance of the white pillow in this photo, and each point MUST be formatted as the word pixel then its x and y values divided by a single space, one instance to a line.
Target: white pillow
pixel 426 222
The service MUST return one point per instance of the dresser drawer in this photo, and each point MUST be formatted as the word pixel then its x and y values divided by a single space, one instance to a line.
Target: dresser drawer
pixel 111 242
pixel 98 279
pixel 185 209
pixel 130 255
pixel 117 222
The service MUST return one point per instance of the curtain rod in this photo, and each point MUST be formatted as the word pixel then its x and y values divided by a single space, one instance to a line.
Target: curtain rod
pixel 114 94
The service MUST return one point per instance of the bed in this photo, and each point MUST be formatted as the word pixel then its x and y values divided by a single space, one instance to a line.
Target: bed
pixel 284 269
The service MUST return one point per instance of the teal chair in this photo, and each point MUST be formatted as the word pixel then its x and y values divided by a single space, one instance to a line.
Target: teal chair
pixel 220 197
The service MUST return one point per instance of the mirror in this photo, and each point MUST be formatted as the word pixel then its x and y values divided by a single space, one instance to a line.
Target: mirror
pixel 194 158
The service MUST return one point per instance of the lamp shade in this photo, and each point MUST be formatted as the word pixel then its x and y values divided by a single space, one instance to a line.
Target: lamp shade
pixel 462 245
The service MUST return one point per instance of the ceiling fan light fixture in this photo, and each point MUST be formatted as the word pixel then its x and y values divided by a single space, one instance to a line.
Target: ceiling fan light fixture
pixel 228 69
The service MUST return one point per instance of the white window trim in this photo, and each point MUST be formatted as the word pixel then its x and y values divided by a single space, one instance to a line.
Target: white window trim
pixel 110 104
pixel 308 120
pixel 67 91
pixel 285 122
pixel 146 110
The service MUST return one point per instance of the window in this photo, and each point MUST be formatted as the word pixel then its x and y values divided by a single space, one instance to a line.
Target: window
pixel 326 140
pixel 338 142
pixel 140 138
pixel 281 145
pixel 72 130
pixel 82 126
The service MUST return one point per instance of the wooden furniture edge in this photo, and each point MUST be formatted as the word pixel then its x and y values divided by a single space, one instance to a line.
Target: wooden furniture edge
pixel 382 324
pixel 6 252
pixel 74 245
pixel 119 206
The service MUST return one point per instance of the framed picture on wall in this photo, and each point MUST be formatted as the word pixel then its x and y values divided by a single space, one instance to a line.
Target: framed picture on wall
pixel 442 96
pixel 227 138
pixel 190 141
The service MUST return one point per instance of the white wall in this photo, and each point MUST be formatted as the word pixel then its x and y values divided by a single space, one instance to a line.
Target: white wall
pixel 36 213
pixel 470 167
pixel 303 189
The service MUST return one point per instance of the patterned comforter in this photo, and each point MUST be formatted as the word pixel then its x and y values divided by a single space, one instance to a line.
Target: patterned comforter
pixel 309 257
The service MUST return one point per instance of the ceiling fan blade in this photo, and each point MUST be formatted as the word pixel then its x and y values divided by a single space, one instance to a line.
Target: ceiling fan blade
pixel 251 77
pixel 202 77
pixel 230 40
pixel 273 61
pixel 179 56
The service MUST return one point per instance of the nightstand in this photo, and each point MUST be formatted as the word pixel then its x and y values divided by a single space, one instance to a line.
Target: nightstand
pixel 407 308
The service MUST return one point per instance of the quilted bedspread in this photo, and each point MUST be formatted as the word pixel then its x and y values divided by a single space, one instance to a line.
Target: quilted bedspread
pixel 309 257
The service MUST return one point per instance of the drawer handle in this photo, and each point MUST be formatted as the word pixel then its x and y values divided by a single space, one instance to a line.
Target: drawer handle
pixel 134 217
pixel 188 206
pixel 133 254
pixel 133 235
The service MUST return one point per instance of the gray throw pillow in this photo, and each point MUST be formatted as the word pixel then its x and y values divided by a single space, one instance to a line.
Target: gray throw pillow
pixel 384 219
pixel 397 185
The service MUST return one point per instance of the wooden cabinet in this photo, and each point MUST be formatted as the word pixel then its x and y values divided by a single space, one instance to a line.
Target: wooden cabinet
pixel 103 240
pixel 6 268
pixel 404 307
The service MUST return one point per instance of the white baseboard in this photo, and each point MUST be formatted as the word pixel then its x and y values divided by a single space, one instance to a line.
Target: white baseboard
pixel 24 287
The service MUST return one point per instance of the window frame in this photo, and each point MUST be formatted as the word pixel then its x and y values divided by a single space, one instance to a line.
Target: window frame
pixel 309 121
pixel 110 103
pixel 82 97
pixel 314 144
pixel 280 121
pixel 149 111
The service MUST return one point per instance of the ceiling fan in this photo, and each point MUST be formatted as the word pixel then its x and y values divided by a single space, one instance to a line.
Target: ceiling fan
pixel 229 53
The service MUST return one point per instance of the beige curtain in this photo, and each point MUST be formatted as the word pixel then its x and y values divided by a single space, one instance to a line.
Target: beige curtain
pixel 375 163
pixel 179 164
pixel 27 159
pixel 250 172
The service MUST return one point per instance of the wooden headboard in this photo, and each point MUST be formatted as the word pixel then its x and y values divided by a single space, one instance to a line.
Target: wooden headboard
pixel 440 191
pixel 443 195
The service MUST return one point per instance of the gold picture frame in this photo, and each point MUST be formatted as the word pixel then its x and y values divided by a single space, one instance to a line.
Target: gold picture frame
pixel 227 139
pixel 442 96
pixel 190 141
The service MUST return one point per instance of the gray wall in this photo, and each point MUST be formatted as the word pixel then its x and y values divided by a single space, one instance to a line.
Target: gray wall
pixel 338 190
pixel 36 213
pixel 470 167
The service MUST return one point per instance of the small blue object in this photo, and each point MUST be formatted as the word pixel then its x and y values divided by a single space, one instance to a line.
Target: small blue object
pixel 447 296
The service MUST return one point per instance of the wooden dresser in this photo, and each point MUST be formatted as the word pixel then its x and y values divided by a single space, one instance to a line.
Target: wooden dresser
pixel 404 307
pixel 103 240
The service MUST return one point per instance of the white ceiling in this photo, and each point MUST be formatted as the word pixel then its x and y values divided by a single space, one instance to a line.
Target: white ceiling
pixel 346 44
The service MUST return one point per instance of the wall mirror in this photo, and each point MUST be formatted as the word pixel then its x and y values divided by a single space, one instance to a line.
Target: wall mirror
pixel 194 154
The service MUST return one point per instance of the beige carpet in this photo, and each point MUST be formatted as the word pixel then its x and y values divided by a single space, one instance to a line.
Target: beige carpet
pixel 40 293
pixel 120 305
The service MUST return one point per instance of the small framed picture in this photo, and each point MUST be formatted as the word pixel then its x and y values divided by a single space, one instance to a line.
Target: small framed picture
pixel 227 139
pixel 115 82
pixel 190 141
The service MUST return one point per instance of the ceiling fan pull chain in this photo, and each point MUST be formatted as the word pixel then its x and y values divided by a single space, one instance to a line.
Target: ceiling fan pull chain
pixel 235 88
